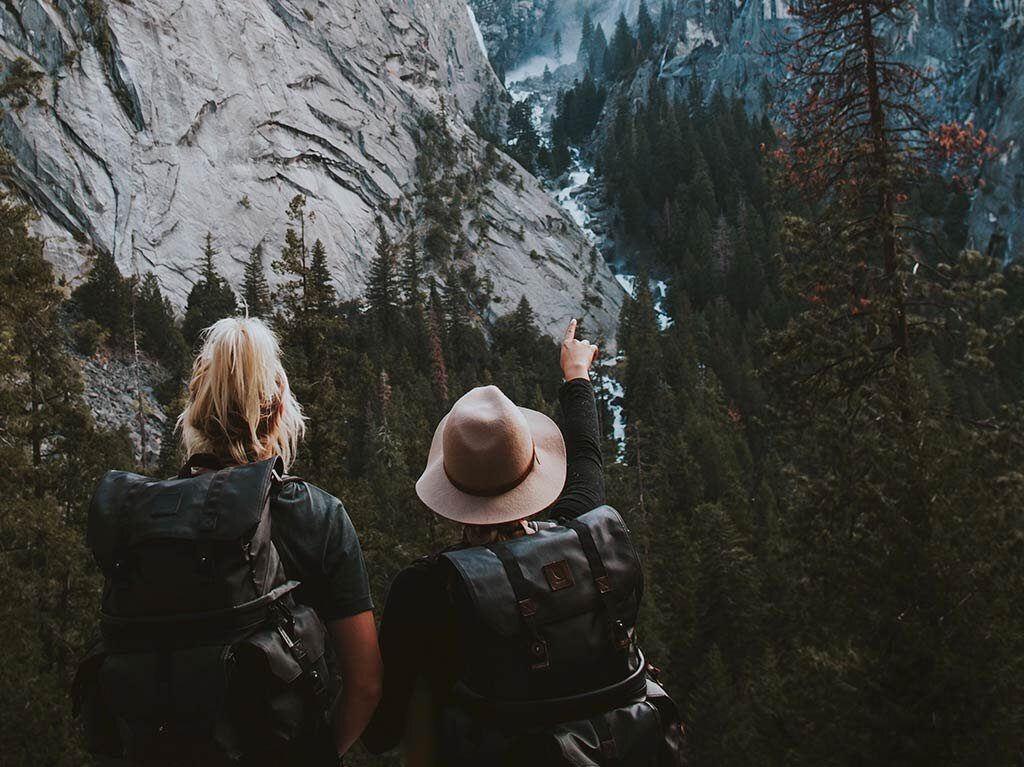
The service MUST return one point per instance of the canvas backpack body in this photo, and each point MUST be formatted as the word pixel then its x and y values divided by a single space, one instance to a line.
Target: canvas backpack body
pixel 553 674
pixel 204 656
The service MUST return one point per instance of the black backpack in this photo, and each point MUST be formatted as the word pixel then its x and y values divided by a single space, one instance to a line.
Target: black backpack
pixel 204 657
pixel 553 674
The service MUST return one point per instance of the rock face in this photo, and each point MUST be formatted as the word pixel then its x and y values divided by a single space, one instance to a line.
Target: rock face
pixel 113 389
pixel 159 120
pixel 974 51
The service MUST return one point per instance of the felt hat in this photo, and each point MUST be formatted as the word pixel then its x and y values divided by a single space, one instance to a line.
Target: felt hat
pixel 491 462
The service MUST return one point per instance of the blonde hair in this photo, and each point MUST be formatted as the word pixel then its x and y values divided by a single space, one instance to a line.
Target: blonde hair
pixel 240 407
pixel 484 535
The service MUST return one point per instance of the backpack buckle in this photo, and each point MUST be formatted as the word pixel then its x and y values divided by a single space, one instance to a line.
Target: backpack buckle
pixel 539 654
pixel 527 608
pixel 621 635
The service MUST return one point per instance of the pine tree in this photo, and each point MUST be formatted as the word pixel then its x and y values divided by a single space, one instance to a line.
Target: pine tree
pixel 322 297
pixel 383 289
pixel 255 288
pixel 586 33
pixel 293 264
pixel 411 274
pixel 640 343
pixel 210 299
pixel 665 18
pixel 105 296
pixel 597 53
pixel 52 455
pixel 523 141
pixel 158 331
pixel 620 49
pixel 646 32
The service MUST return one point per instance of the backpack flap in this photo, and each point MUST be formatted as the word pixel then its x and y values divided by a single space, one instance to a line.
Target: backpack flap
pixel 556 572
pixel 550 614
pixel 128 508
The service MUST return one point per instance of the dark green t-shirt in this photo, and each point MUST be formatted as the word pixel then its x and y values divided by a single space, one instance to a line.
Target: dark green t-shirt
pixel 319 547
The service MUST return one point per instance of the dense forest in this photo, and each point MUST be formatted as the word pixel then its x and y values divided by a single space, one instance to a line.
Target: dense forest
pixel 822 464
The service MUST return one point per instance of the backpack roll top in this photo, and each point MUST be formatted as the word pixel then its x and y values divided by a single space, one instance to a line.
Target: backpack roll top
pixel 550 615
pixel 185 546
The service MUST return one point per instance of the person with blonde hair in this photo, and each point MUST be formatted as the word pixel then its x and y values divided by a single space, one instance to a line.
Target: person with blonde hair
pixel 243 566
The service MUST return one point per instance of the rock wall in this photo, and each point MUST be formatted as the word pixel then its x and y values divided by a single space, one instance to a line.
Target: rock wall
pixel 158 120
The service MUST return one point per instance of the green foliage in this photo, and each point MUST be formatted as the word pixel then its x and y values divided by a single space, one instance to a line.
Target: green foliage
pixel 105 296
pixel 621 55
pixel 210 299
pixel 831 535
pixel 21 81
pixel 157 329
pixel 52 454
pixel 522 142
pixel 255 288
pixel 576 115
pixel 88 336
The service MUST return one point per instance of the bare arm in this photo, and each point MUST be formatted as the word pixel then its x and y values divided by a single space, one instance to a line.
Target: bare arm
pixel 355 640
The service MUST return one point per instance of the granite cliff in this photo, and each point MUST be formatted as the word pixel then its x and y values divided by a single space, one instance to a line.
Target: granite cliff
pixel 155 122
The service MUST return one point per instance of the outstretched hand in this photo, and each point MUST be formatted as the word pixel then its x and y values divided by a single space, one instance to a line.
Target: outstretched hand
pixel 577 356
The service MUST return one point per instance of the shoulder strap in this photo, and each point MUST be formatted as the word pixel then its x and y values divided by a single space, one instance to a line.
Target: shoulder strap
pixel 525 593
pixel 619 631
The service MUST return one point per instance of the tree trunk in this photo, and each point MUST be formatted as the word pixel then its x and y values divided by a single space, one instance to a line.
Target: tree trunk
pixel 886 213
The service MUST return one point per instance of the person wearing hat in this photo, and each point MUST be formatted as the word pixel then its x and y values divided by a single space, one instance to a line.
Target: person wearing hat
pixel 491 467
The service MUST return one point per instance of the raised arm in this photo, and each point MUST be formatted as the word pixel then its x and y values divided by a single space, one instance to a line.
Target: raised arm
pixel 584 480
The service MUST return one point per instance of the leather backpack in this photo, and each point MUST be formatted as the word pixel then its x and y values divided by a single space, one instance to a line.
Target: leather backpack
pixel 554 674
pixel 204 656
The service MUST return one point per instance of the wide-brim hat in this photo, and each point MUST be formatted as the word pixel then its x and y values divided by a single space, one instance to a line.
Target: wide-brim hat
pixel 491 462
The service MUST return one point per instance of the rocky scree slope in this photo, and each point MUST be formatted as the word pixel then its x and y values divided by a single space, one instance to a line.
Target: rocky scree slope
pixel 157 121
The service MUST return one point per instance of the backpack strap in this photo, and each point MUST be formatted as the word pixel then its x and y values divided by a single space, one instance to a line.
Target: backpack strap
pixel 608 747
pixel 284 622
pixel 599 574
pixel 524 592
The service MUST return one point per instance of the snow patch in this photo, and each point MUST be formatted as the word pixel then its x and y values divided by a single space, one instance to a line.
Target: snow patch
pixel 566 197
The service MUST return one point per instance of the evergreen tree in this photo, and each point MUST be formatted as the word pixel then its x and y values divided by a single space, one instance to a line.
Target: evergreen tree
pixel 586 33
pixel 210 299
pixel 646 32
pixel 293 263
pixel 620 49
pixel 523 141
pixel 158 331
pixel 105 296
pixel 665 18
pixel 383 286
pixel 52 455
pixel 597 53
pixel 255 288
pixel 411 276
pixel 322 297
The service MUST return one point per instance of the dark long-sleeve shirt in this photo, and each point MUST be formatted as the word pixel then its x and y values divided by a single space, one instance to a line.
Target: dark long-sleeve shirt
pixel 418 636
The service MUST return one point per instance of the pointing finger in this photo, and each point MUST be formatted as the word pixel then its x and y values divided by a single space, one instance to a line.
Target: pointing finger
pixel 570 332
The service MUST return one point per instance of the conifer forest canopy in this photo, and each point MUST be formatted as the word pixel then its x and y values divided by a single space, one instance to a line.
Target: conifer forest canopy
pixel 794 229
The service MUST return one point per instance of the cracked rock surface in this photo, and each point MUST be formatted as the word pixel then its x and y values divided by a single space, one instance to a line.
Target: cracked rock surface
pixel 158 120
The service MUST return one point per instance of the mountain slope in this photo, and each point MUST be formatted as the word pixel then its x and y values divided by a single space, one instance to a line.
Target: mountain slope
pixel 158 121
